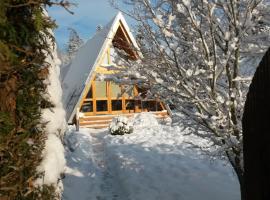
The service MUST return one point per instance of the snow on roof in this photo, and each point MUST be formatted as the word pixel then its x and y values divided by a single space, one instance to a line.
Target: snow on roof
pixel 82 66
pixel 63 70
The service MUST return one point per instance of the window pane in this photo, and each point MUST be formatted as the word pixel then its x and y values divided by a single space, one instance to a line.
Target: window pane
pixel 100 89
pixel 87 107
pixel 159 108
pixel 128 91
pixel 142 92
pixel 102 105
pixel 89 94
pixel 115 90
pixel 150 105
pixel 116 105
pixel 139 104
pixel 130 104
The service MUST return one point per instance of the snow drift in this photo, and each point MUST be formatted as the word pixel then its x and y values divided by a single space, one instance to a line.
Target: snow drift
pixel 155 162
pixel 53 162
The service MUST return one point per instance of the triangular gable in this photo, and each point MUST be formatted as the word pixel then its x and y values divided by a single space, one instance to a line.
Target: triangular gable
pixel 85 62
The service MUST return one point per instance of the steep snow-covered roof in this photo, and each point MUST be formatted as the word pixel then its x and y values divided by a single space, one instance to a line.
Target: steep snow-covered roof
pixel 81 68
pixel 64 69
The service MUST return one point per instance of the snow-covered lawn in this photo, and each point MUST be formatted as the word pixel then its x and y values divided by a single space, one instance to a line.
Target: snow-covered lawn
pixel 152 163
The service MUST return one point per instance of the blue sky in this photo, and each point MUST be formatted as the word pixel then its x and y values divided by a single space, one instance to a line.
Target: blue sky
pixel 88 14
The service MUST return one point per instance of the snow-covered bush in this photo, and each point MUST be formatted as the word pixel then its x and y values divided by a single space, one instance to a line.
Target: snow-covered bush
pixel 70 139
pixel 53 158
pixel 145 120
pixel 120 125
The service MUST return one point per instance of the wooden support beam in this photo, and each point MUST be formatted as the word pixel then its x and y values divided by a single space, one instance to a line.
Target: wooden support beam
pixel 136 93
pixel 109 97
pixel 94 98
pixel 77 119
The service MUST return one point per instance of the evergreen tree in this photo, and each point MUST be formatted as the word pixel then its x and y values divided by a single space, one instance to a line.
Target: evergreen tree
pixel 74 43
pixel 24 47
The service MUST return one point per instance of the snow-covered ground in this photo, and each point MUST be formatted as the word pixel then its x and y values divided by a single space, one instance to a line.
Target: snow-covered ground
pixel 153 163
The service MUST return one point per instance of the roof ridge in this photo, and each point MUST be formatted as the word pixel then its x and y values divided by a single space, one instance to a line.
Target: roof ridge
pixel 109 25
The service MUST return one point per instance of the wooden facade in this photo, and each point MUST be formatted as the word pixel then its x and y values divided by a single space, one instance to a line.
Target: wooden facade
pixel 101 97
pixel 107 97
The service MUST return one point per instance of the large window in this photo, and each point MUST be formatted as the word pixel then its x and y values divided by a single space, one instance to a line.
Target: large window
pixel 87 106
pixel 89 94
pixel 102 105
pixel 101 89
pixel 116 97
pixel 128 91
pixel 116 105
pixel 101 96
pixel 151 105
pixel 115 90
pixel 142 92
pixel 130 105
pixel 106 97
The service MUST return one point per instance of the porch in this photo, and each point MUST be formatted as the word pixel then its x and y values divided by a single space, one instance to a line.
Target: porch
pixel 103 121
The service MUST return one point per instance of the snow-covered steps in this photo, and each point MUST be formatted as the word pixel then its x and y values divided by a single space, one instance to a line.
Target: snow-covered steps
pixel 103 121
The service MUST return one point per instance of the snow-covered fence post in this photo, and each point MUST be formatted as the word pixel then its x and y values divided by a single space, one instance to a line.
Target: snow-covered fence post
pixel 77 119
pixel 256 134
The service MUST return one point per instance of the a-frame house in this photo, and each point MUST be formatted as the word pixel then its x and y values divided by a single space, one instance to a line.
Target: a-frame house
pixel 101 99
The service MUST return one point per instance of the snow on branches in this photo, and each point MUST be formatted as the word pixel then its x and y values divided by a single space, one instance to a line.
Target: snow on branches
pixel 197 55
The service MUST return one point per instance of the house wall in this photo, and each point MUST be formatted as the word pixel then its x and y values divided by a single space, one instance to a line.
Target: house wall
pixel 106 97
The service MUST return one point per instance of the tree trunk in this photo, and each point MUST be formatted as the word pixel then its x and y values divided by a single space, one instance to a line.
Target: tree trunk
pixel 242 186
pixel 239 173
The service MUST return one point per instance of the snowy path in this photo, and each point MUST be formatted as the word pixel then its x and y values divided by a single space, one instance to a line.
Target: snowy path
pixel 153 163
pixel 107 187
pixel 87 175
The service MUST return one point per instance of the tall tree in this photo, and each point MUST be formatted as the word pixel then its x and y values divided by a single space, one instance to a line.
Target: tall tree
pixel 74 43
pixel 24 47
pixel 195 55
